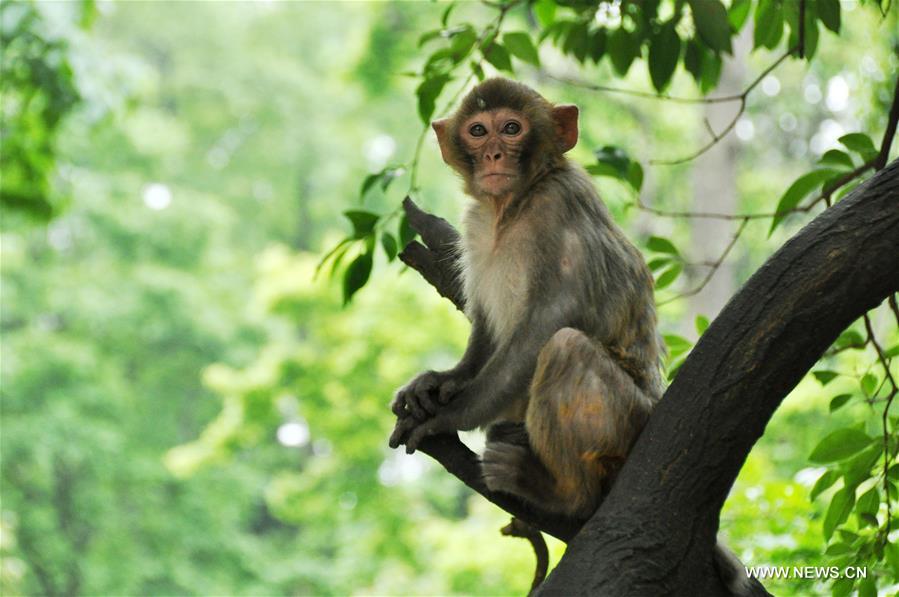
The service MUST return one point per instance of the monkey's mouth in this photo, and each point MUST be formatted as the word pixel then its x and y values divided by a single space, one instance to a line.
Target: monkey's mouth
pixel 502 174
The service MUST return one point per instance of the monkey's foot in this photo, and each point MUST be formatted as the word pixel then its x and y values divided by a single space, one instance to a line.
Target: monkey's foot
pixel 502 466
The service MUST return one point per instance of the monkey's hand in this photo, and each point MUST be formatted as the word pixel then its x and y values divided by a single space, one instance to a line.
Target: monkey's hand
pixel 425 395
pixel 410 431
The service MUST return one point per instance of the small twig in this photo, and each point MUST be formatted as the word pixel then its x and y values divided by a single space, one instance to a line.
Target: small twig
pixel 894 307
pixel 716 137
pixel 881 161
pixel 801 29
pixel 885 363
pixel 713 267
pixel 835 351
pixel 519 528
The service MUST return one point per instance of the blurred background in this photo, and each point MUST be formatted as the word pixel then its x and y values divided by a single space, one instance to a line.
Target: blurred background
pixel 188 409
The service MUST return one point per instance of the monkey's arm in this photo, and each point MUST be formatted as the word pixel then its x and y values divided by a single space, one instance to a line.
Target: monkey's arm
pixel 425 394
pixel 503 379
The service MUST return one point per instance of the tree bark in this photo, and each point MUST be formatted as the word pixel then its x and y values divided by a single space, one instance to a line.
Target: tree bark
pixel 655 533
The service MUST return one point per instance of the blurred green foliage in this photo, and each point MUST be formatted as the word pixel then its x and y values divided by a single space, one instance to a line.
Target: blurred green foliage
pixel 187 409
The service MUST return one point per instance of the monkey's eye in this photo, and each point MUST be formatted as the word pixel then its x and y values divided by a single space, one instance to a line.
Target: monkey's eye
pixel 512 128
pixel 477 130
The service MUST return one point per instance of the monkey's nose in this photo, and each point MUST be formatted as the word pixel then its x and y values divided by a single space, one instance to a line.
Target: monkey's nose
pixel 494 156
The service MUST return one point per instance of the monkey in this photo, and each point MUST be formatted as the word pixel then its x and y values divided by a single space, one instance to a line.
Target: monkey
pixel 563 365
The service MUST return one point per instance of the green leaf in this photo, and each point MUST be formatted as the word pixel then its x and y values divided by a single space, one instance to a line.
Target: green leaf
pixel 444 18
pixel 597 45
pixel 391 174
pixel 622 48
pixel 389 245
pixel 893 351
pixel 738 13
pixel 520 45
pixel 824 483
pixel 702 324
pixel 803 185
pixel 604 169
pixel 369 182
pixel 849 338
pixel 614 157
pixel 711 71
pixel 712 25
pixel 824 377
pixel 545 11
pixel 669 275
pixel 868 502
pixel 356 275
pixel 477 70
pixel 829 13
pixel 659 244
pixel 769 24
pixel 840 444
pixel 427 96
pixel 860 143
pixel 835 157
pixel 428 36
pixel 363 222
pixel 462 42
pixel 635 175
pixel 838 511
pixel 499 57
pixel 658 263
pixel 842 587
pixel 406 233
pixel 869 384
pixel 556 31
pixel 892 556
pixel 867 587
pixel 837 549
pixel 664 52
pixel 577 42
pixel 677 345
pixel 336 252
pixel 858 468
pixel 838 401
pixel 693 56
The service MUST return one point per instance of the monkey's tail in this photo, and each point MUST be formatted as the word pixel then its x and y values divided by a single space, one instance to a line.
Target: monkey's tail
pixel 734 576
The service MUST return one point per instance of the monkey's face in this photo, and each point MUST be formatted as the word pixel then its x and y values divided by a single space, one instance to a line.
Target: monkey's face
pixel 493 141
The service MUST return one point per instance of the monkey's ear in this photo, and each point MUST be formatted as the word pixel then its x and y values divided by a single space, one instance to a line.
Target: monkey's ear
pixel 565 117
pixel 440 127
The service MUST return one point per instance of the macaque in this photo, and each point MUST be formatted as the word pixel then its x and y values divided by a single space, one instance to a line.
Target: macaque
pixel 563 365
pixel 563 362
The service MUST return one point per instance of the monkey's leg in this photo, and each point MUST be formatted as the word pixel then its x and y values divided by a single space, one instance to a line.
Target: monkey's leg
pixel 510 465
pixel 583 416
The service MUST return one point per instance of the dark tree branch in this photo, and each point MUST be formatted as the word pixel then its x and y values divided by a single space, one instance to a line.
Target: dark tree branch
pixel 458 460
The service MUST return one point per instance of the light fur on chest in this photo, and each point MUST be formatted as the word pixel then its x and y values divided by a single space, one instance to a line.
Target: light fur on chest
pixel 495 270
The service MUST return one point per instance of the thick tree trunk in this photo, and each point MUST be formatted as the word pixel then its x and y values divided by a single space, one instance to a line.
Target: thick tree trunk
pixel 655 533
